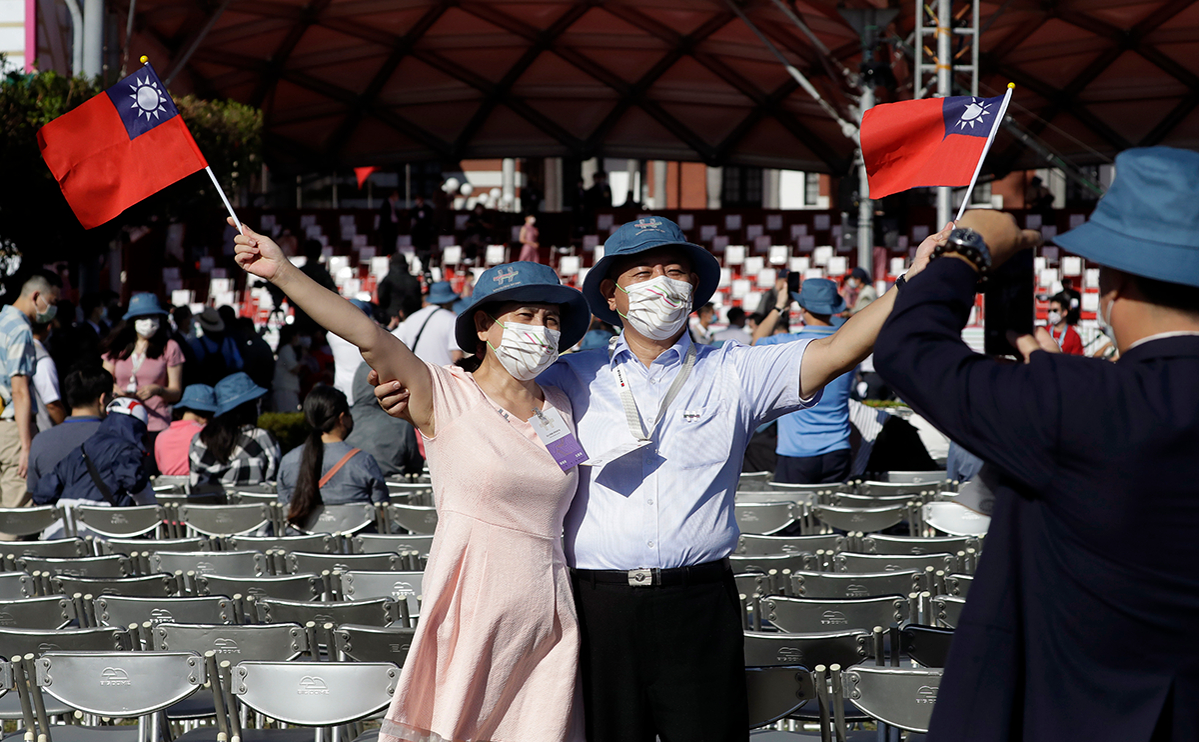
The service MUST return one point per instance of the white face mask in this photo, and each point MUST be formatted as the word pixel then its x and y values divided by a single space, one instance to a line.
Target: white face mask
pixel 658 308
pixel 1105 323
pixel 145 327
pixel 1054 318
pixel 526 350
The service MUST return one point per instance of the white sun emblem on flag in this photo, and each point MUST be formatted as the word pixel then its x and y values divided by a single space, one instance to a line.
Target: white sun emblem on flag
pixel 147 98
pixel 975 113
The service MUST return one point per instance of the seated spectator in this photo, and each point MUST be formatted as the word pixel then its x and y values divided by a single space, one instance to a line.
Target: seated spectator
pixel 191 415
pixel 232 450
pixel 145 362
pixel 215 349
pixel 87 390
pixel 326 470
pixel 736 329
pixel 390 440
pixel 701 324
pixel 107 469
pixel 1063 334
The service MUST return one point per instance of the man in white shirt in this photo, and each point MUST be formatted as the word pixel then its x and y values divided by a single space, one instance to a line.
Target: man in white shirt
pixel 49 410
pixel 346 357
pixel 429 332
pixel 736 329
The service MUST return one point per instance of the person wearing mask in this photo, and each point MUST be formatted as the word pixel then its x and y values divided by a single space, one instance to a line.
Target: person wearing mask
pixel 859 282
pixel 813 444
pixel 215 349
pixel 87 390
pixel 1088 463
pixel 107 469
pixel 736 330
pixel 495 654
pixel 288 366
pixel 145 362
pixel 530 240
pixel 701 326
pixel 391 441
pixel 429 333
pixel 35 303
pixel 50 410
pixel 232 450
pixel 1060 331
pixel 326 470
pixel 191 413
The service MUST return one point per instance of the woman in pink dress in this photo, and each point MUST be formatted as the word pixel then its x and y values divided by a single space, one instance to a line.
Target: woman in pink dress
pixel 495 657
pixel 145 362
pixel 530 239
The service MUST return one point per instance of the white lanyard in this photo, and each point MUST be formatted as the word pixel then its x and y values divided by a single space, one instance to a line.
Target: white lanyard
pixel 632 414
pixel 1059 339
pixel 136 362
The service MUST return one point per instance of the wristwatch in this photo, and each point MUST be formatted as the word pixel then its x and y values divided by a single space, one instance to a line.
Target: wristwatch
pixel 971 246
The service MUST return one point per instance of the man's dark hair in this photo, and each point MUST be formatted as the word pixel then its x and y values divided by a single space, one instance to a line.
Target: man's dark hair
pixel 736 316
pixel 183 317
pixel 312 249
pixel 90 302
pixel 1062 299
pixel 85 385
pixel 1174 296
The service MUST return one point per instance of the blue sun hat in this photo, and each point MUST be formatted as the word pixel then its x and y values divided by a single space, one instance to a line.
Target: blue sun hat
pixel 441 293
pixel 1147 223
pixel 197 398
pixel 235 390
pixel 525 281
pixel 637 237
pixel 143 304
pixel 819 296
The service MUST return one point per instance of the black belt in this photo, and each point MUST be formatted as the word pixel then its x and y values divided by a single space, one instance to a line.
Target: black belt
pixel 699 574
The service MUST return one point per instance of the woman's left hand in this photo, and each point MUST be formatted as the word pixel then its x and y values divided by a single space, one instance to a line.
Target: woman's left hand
pixel 149 390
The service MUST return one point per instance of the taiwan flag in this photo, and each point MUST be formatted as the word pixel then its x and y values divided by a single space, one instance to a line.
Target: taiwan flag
pixel 119 148
pixel 928 142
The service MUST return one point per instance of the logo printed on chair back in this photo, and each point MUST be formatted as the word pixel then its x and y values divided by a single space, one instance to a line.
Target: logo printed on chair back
pixel 402 589
pixel 748 516
pixel 223 518
pixel 114 676
pixel 397 648
pixel 48 647
pixel 118 518
pixel 857 518
pixel 321 618
pixel 161 615
pixel 857 591
pixel 918 550
pixel 225 646
pixel 791 655
pixel 205 568
pixel 311 685
pixel 833 618
pixel 790 549
pixel 6 619
pixel 927 694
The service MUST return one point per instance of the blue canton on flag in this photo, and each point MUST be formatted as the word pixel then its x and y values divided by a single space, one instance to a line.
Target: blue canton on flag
pixel 142 101
pixel 973 117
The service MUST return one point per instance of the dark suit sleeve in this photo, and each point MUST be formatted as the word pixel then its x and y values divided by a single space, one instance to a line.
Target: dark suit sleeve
pixel 1006 413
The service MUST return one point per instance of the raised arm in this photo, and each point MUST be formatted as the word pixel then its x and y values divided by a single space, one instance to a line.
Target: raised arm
pixel 382 351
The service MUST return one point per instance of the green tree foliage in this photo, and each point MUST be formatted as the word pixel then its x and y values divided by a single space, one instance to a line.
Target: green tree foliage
pixel 36 220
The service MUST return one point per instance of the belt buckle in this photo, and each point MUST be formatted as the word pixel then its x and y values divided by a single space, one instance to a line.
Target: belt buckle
pixel 643 577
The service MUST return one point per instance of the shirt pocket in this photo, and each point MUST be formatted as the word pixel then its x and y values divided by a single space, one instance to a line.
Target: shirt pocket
pixel 699 437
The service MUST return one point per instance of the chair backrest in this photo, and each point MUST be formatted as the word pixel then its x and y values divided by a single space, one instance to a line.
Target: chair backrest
pixel 754 480
pixel 345 518
pixel 754 583
pixel 116 522
pixel 915 490
pixel 947 610
pixel 955 519
pixel 757 544
pixel 831 585
pixel 122 610
pixel 854 500
pixel 146 545
pixel 330 693
pixel 225 520
pixel 928 645
pixel 233 643
pixel 61 548
pixel 386 543
pixel 798 615
pixel 859 563
pixel 866 520
pixel 299 562
pixel 287 587
pixel 775 692
pixel 763 517
pixel 374 643
pixel 359 585
pixel 49 612
pixel 39 641
pixel 147 586
pixel 120 684
pixel 230 563
pixel 15 586
pixel 899 696
pixel 769 649
pixel 413 518
pixel 113 565
pixel 958 586
pixel 743 563
pixel 370 612
pixel 28 521
pixel 915 477
pixel 810 490
pixel 170 483
pixel 321 543
pixel 880 544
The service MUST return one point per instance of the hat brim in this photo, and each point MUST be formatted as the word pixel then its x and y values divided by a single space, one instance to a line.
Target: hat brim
pixel 133 314
pixel 575 320
pixel 239 400
pixel 703 263
pixel 1139 256
pixel 210 409
pixel 440 299
pixel 817 308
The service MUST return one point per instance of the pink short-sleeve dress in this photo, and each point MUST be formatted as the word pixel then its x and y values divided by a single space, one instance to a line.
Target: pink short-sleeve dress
pixel 495 656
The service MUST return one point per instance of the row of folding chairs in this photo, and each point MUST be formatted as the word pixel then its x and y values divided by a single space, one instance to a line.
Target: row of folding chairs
pixel 893 483
pixel 751 544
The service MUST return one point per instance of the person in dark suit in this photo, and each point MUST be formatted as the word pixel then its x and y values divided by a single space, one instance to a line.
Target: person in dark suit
pixel 1081 621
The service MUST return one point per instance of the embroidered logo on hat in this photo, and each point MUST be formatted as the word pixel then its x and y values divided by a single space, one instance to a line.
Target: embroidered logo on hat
pixel 648 225
pixel 508 275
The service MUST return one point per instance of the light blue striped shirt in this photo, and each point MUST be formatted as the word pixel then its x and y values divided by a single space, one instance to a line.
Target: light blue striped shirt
pixel 18 356
pixel 670 503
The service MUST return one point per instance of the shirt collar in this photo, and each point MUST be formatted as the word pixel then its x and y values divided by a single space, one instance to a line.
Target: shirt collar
pixel 1161 336
pixel 672 355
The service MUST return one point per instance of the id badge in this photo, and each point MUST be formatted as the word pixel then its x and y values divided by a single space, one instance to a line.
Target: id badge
pixel 557 439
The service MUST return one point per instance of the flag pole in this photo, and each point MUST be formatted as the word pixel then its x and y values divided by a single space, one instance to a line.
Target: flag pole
pixel 229 208
pixel 990 138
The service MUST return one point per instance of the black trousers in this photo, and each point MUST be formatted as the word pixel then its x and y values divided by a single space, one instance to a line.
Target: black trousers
pixel 825 468
pixel 664 662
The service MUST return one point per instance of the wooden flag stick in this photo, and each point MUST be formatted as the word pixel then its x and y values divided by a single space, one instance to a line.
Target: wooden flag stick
pixel 225 200
pixel 990 138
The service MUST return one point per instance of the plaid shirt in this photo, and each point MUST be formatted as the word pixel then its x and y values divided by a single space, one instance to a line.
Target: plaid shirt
pixel 18 357
pixel 255 459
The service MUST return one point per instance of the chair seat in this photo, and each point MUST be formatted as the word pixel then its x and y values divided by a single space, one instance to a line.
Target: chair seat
pixel 196 706
pixel 208 734
pixel 774 735
pixel 810 711
pixel 10 706
pixel 72 733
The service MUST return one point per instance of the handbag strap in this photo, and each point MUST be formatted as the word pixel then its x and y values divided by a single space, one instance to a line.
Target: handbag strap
pixel 96 479
pixel 337 467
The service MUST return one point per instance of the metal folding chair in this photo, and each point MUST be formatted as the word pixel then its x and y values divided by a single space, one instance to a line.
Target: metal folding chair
pixel 147 586
pixel 881 544
pixel 341 519
pixel 300 562
pixel 799 615
pixel 225 520
pixel 303 587
pixel 831 585
pixel 865 520
pixel 127 546
pixel 29 521
pixel 49 612
pixel 754 544
pixel 867 563
pixel 764 517
pixel 121 522
pixel 60 548
pixel 379 612
pixel 927 645
pixel 894 696
pixel 121 610
pixel 412 518
pixel 774 693
pixel 406 588
pixel 361 643
pixel 845 647
pixel 947 610
pixel 114 565
pixel 16 586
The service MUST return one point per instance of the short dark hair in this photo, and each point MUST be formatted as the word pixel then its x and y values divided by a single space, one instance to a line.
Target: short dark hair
pixel 736 316
pixel 85 385
pixel 1062 299
pixel 1174 296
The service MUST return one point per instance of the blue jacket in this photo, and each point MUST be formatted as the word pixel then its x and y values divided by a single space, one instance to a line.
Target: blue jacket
pixel 1081 621
pixel 116 450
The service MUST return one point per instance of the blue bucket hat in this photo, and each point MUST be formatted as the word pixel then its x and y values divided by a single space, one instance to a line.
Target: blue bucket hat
pixel 1146 224
pixel 197 398
pixel 637 237
pixel 819 296
pixel 441 293
pixel 143 304
pixel 525 281
pixel 235 390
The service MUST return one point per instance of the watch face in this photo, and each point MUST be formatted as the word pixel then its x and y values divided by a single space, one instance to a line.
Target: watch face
pixel 966 237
